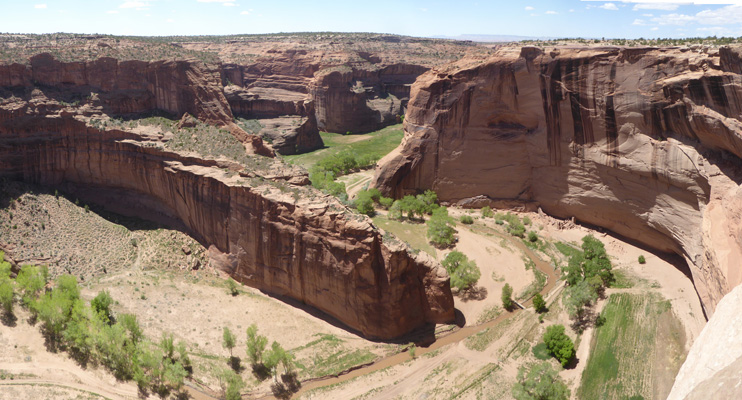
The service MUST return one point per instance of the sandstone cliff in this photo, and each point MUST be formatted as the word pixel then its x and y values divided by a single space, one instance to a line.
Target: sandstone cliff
pixel 261 229
pixel 134 87
pixel 712 368
pixel 645 142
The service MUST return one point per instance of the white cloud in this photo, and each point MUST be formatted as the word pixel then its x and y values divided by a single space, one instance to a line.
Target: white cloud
pixel 215 1
pixel 571 10
pixel 655 29
pixel 552 12
pixel 674 19
pixel 647 15
pixel 722 16
pixel 656 6
pixel 139 5
pixel 39 6
pixel 245 13
pixel 529 8
pixel 424 9
pixel 639 22
pixel 112 12
pixel 534 15
pixel 170 20
pixel 609 6
pixel 230 4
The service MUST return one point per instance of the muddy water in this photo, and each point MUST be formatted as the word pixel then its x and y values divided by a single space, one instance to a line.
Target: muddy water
pixel 454 337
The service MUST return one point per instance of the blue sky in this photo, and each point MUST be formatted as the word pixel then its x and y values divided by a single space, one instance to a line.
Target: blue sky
pixel 562 18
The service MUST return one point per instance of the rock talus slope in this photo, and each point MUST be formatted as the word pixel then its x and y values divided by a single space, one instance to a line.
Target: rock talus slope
pixel 644 142
pixel 285 239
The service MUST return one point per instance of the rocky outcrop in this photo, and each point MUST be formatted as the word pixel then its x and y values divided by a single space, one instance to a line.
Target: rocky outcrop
pixel 644 142
pixel 133 87
pixel 358 93
pixel 265 232
pixel 359 100
pixel 287 117
pixel 712 367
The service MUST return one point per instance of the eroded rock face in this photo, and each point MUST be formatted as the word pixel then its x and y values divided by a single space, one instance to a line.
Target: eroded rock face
pixel 133 87
pixel 712 368
pixel 262 230
pixel 362 100
pixel 644 142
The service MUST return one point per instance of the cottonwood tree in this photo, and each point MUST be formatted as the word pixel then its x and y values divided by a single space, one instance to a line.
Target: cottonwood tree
pixel 539 382
pixel 507 296
pixel 559 344
pixel 228 340
pixel 255 345
pixel 464 273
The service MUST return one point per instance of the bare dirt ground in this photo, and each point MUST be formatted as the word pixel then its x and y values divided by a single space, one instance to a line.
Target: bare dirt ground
pixel 161 286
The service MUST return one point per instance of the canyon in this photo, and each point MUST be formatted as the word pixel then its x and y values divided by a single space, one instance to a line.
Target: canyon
pixel 644 142
pixel 261 224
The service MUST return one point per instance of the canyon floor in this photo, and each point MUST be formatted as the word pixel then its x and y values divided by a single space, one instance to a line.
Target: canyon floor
pixel 163 277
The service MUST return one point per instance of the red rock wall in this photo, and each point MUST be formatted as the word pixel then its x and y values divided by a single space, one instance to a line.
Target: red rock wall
pixel 310 249
pixel 644 142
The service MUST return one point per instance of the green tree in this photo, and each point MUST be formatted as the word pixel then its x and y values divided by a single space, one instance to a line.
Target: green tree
pixel 31 280
pixel 464 273
pixel 440 231
pixel 101 304
pixel 386 202
pixel 538 303
pixel 487 212
pixel 255 345
pixel 231 384
pixel 507 296
pixel 578 297
pixel 540 382
pixel 427 202
pixel 228 340
pixel 395 211
pixel 411 206
pixel 6 295
pixel 364 203
pixel 276 356
pixel 467 219
pixel 559 344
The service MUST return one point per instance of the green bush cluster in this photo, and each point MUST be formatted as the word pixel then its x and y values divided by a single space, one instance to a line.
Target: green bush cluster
pixel 91 333
pixel 487 212
pixel 410 206
pixel 507 297
pixel 325 181
pixel 540 382
pixel 270 360
pixel 365 200
pixel 440 229
pixel 467 219
pixel 587 273
pixel 464 273
pixel 344 163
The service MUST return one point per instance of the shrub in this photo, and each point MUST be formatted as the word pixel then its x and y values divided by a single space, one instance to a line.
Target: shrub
pixel 101 304
pixel 559 344
pixel 526 220
pixel 255 345
pixel 642 260
pixel 532 236
pixel 507 296
pixel 487 212
pixel 466 219
pixel 232 287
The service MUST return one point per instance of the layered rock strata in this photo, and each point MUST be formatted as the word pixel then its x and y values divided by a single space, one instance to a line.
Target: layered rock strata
pixel 260 228
pixel 133 87
pixel 644 142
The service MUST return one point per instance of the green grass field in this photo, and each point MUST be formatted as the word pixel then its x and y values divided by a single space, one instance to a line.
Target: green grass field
pixel 627 356
pixel 374 144
pixel 414 234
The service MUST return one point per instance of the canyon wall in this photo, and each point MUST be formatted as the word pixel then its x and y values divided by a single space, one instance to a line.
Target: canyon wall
pixel 267 233
pixel 133 87
pixel 644 142
pixel 349 92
